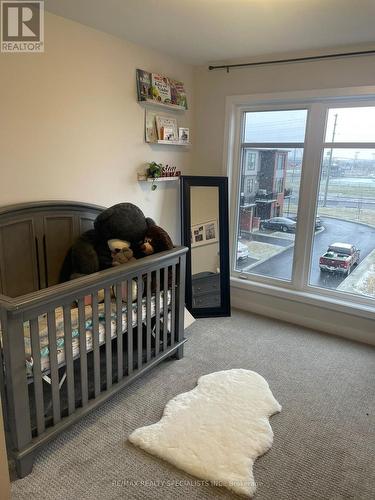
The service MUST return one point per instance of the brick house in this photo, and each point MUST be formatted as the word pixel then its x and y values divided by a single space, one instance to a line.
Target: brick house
pixel 262 186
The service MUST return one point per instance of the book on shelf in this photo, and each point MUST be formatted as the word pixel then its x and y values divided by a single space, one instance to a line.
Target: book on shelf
pixel 184 134
pixel 151 134
pixel 169 124
pixel 178 94
pixel 159 88
pixel 143 85
pixel 168 134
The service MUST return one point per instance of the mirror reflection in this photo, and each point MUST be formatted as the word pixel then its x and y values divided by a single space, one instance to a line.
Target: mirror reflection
pixel 205 248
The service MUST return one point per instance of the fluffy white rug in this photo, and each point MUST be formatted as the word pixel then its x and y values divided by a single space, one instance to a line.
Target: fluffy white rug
pixel 217 430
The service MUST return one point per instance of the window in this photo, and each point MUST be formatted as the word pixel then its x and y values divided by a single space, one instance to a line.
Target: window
pixel 267 220
pixel 250 185
pixel 280 162
pixel 250 161
pixel 323 242
pixel 346 205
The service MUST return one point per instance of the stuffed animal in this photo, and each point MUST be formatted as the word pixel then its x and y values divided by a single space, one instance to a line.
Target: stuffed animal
pixel 90 253
pixel 121 252
pixel 156 240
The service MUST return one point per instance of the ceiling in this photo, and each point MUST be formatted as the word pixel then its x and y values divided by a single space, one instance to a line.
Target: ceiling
pixel 202 31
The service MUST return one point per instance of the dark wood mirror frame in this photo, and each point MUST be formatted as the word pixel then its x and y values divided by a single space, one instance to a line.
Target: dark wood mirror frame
pixel 222 184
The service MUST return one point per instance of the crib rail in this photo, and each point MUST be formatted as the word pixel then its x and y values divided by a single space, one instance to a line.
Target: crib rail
pixel 99 332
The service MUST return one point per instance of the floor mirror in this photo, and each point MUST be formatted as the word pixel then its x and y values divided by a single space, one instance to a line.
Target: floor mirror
pixel 204 212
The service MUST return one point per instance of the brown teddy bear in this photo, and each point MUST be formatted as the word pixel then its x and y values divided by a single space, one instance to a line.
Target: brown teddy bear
pixel 156 240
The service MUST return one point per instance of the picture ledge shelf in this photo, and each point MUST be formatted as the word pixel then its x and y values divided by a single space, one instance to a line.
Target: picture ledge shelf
pixel 171 143
pixel 174 107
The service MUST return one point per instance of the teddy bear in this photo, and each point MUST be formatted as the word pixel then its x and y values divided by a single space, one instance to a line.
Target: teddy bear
pixel 156 240
pixel 90 252
pixel 121 252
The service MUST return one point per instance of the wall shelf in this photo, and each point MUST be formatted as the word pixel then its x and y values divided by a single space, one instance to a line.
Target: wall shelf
pixel 171 143
pixel 152 103
pixel 143 178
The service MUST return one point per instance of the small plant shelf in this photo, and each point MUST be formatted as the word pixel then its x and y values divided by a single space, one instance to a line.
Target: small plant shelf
pixel 144 178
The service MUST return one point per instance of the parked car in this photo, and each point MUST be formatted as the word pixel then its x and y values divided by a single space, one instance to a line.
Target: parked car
pixel 242 251
pixel 318 222
pixel 340 258
pixel 283 224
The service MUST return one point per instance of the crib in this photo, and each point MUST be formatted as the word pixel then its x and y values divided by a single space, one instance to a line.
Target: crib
pixel 67 348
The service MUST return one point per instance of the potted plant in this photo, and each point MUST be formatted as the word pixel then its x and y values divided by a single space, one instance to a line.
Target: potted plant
pixel 154 171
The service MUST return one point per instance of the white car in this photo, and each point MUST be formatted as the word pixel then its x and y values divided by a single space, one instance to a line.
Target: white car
pixel 242 251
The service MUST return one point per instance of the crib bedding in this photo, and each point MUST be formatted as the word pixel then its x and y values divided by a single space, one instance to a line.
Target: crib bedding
pixel 60 334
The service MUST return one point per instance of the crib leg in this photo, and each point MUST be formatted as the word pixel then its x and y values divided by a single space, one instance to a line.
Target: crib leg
pixel 180 352
pixel 24 465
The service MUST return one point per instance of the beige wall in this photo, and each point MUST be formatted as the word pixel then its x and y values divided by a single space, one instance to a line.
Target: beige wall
pixel 204 207
pixel 71 127
pixel 212 87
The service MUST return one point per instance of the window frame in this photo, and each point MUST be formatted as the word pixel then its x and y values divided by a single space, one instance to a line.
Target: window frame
pixel 317 103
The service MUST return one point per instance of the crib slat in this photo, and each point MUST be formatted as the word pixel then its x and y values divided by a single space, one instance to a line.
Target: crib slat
pixel 83 350
pixel 69 358
pixel 129 315
pixel 119 330
pixel 51 322
pixel 157 312
pixel 148 318
pixel 37 372
pixel 165 309
pixel 108 341
pixel 95 343
pixel 139 321
pixel 173 305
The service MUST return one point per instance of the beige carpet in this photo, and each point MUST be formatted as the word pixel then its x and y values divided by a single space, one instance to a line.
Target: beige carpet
pixel 323 446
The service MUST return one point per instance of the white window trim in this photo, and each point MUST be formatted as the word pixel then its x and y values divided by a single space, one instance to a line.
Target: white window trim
pixel 298 288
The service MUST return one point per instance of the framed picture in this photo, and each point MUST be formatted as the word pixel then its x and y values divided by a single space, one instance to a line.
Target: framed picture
pixel 183 134
pixel 204 233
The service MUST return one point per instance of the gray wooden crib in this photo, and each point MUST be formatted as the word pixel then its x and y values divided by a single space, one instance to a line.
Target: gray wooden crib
pixel 66 348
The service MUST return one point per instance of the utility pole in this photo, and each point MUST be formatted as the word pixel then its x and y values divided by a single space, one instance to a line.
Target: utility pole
pixel 329 164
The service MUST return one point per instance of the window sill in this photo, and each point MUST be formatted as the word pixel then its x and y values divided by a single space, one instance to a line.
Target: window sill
pixel 307 298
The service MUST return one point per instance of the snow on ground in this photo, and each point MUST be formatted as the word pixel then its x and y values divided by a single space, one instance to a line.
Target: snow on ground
pixel 261 251
pixel 362 280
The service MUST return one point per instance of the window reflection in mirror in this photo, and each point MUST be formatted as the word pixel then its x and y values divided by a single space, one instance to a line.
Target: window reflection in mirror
pixel 205 255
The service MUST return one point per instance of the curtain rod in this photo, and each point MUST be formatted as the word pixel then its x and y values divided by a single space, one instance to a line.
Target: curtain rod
pixel 297 59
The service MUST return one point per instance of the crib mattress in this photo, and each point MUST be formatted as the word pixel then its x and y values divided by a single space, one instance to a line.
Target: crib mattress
pixel 60 333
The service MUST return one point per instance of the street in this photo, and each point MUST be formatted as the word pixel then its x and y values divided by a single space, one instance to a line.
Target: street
pixel 280 266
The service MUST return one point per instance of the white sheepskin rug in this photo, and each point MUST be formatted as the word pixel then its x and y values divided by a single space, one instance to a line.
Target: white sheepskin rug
pixel 217 430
